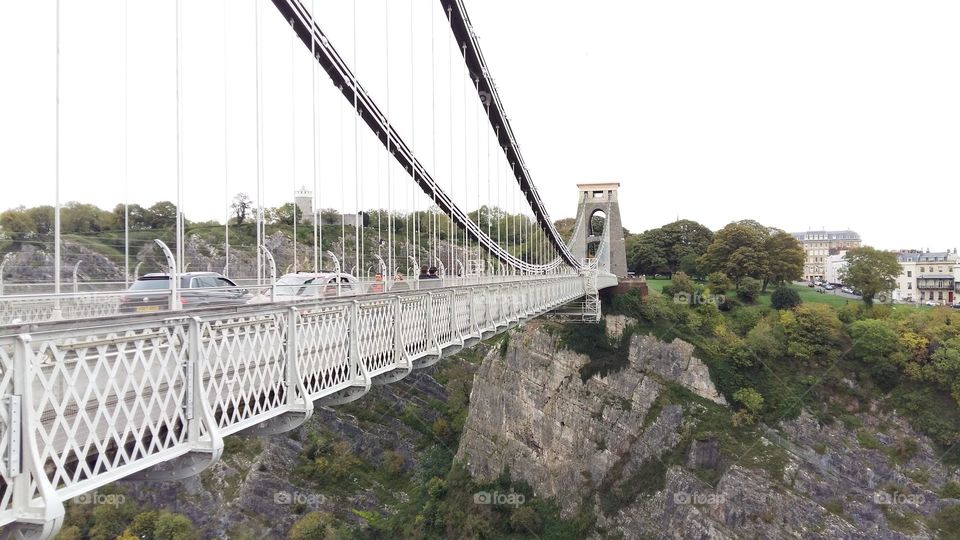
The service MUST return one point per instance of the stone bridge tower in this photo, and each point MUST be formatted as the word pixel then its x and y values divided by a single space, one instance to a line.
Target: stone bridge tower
pixel 600 201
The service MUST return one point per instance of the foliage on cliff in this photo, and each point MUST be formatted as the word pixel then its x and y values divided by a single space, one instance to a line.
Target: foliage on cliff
pixel 822 358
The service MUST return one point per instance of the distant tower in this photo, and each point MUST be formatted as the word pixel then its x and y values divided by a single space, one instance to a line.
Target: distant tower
pixel 600 201
pixel 304 201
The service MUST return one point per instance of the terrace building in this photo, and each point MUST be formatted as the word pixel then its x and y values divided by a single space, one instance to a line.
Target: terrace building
pixel 818 245
pixel 932 276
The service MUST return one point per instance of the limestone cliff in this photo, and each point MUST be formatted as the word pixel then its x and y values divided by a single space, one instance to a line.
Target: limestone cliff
pixel 651 451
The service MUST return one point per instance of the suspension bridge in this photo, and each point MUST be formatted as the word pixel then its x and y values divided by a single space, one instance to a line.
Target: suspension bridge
pixel 92 395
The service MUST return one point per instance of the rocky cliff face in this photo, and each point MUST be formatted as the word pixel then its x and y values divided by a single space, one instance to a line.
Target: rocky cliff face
pixel 259 489
pixel 650 450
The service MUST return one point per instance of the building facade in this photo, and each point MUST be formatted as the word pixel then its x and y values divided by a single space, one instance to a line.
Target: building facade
pixel 931 276
pixel 833 266
pixel 818 245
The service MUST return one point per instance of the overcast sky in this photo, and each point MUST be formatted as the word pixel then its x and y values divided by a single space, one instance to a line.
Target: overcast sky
pixel 801 115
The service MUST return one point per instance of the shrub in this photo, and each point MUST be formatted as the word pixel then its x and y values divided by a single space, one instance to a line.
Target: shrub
pixel 752 403
pixel 873 340
pixel 749 290
pixel 719 283
pixel 525 520
pixel 314 525
pixel 785 298
pixel 813 331
pixel 765 340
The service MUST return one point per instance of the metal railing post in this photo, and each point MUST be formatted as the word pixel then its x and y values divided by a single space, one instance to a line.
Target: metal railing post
pixel 399 350
pixel 30 479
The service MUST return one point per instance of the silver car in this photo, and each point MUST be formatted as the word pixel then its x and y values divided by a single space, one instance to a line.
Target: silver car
pixel 307 285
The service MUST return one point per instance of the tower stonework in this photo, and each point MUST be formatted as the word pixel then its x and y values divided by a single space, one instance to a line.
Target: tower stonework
pixel 594 200
pixel 304 200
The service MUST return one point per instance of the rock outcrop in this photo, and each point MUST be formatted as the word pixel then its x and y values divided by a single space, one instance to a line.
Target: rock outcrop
pixel 624 447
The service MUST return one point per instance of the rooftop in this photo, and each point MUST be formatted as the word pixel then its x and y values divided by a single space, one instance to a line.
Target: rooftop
pixel 828 235
pixel 932 256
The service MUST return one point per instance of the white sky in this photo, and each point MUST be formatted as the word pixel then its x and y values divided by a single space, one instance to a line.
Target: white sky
pixel 797 114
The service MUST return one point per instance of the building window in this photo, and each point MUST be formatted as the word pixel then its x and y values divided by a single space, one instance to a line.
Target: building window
pixel 909 273
pixel 940 295
pixel 921 269
pixel 909 285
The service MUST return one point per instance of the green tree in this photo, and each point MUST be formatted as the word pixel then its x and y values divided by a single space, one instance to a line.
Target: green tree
pixel 171 526
pixel 564 227
pixel 683 284
pixel 738 250
pixel 813 332
pixel 752 403
pixel 241 207
pixel 314 526
pixel 870 271
pixel 873 340
pixel 944 367
pixel 765 340
pixel 718 282
pixel 163 215
pixel 42 218
pixel 749 289
pixel 785 297
pixel 287 214
pixel 16 224
pixel 785 258
pixel 139 217
pixel 662 250
pixel 80 218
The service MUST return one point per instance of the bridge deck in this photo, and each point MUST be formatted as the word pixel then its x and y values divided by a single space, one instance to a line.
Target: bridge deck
pixel 106 398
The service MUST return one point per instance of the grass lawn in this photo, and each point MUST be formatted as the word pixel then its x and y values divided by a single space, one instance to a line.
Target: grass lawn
pixel 807 294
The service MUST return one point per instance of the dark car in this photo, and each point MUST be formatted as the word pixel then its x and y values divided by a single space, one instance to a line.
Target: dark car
pixel 151 292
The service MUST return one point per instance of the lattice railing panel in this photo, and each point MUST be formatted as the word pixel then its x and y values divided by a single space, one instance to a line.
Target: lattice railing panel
pixel 43 309
pixel 6 389
pixel 462 305
pixel 377 335
pixel 244 359
pixel 414 316
pixel 478 305
pixel 107 401
pixel 443 318
pixel 323 345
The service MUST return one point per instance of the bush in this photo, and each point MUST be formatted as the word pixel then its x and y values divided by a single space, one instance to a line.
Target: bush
pixel 749 290
pixel 525 520
pixel 752 403
pixel 813 331
pixel 765 340
pixel 315 525
pixel 785 298
pixel 873 340
pixel 683 283
pixel 719 283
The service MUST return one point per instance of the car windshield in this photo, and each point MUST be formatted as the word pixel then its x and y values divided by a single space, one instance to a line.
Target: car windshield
pixel 150 284
pixel 291 285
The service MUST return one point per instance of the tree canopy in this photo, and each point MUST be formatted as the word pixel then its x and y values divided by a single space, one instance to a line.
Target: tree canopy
pixel 663 250
pixel 748 249
pixel 870 271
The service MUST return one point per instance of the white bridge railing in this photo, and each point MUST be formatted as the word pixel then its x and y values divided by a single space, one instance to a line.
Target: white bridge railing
pixel 27 308
pixel 152 395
